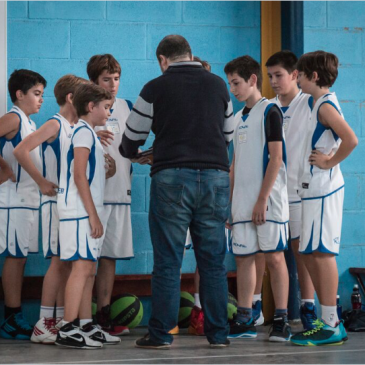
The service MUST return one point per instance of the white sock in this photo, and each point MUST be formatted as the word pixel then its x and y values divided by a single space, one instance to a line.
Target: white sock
pixel 60 312
pixel 46 312
pixel 303 301
pixel 256 297
pixel 329 315
pixel 63 322
pixel 84 321
pixel 197 300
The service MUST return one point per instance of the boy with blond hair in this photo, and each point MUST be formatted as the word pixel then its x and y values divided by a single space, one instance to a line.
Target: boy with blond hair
pixel 52 137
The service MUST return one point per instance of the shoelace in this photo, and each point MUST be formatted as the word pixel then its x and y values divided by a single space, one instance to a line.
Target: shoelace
pixel 277 326
pixel 50 324
pixel 22 322
pixel 319 325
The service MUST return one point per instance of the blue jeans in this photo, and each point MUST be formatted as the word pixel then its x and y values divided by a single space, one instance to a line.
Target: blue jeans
pixel 197 199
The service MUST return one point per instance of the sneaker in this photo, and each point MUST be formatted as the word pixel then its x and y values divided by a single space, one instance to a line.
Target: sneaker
pixel 220 345
pixel 70 335
pixel 322 334
pixel 240 329
pixel 196 326
pixel 45 331
pixel 280 330
pixel 107 325
pixel 174 331
pixel 95 333
pixel 308 315
pixel 16 327
pixel 146 343
pixel 257 314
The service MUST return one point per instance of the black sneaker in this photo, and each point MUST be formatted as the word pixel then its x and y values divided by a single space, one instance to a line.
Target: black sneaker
pixel 16 327
pixel 95 333
pixel 146 343
pixel 218 345
pixel 104 321
pixel 280 330
pixel 70 335
pixel 240 329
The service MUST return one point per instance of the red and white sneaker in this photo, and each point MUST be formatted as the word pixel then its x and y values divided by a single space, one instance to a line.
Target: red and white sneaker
pixel 45 331
pixel 196 322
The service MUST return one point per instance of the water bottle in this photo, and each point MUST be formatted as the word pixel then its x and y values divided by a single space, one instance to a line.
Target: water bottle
pixel 356 298
pixel 339 308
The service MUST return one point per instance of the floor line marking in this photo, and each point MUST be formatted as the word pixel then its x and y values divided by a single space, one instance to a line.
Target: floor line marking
pixel 207 357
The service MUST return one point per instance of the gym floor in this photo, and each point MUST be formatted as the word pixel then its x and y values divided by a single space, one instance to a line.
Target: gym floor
pixel 187 349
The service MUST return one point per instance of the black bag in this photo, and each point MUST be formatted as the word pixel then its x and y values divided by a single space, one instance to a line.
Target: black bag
pixel 355 320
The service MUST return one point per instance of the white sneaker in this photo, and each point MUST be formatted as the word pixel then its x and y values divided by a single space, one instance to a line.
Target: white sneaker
pixel 70 335
pixel 45 331
pixel 94 332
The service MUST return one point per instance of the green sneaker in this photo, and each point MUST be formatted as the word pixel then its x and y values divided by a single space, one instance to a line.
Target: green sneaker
pixel 322 334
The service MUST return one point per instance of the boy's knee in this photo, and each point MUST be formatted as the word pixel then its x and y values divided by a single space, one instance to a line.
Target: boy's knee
pixel 275 260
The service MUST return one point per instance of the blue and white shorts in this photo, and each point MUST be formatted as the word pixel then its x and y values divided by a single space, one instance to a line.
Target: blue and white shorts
pixel 50 229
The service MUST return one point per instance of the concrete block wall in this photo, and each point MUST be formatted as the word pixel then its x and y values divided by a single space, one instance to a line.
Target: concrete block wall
pixel 55 38
pixel 339 27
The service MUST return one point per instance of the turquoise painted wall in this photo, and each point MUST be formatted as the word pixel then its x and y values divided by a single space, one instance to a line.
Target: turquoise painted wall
pixel 338 27
pixel 55 38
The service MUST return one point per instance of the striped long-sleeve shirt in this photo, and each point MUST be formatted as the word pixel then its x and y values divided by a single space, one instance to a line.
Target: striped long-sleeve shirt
pixel 190 112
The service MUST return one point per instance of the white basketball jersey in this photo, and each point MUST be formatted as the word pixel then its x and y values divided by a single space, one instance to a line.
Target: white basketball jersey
pixel 316 182
pixel 69 203
pixel 51 154
pixel 118 187
pixel 251 160
pixel 24 192
pixel 295 121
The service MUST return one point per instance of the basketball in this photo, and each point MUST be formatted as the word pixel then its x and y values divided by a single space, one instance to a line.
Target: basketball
pixel 186 305
pixel 93 307
pixel 126 310
pixel 231 306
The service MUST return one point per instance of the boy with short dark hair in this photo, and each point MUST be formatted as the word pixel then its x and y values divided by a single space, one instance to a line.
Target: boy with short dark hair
pixel 259 198
pixel 105 71
pixel 19 197
pixel 80 205
pixel 296 107
pixel 53 137
pixel 329 140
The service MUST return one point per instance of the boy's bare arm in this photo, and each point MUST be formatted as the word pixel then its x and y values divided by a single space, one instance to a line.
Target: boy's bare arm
pixel 6 172
pixel 21 153
pixel 9 125
pixel 273 167
pixel 81 156
pixel 330 117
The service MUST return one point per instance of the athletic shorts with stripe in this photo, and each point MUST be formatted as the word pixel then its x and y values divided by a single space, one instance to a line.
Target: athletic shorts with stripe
pixel 248 239
pixel 19 231
pixel 76 242
pixel 50 229
pixel 322 222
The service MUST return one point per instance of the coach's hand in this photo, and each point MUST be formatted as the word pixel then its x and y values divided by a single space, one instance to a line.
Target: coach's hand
pixel 6 174
pixel 144 160
pixel 97 229
pixel 259 212
pixel 106 137
pixel 48 188
pixel 319 159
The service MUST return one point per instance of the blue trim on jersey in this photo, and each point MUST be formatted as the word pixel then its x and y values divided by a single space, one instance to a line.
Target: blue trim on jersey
pixel 131 170
pixel 89 255
pixel 56 147
pixel 49 202
pixel 295 202
pixel 268 220
pixel 130 104
pixel 116 258
pixel 310 102
pixel 19 208
pixel 73 219
pixel 116 203
pixel 325 196
pixel 284 109
pixel 335 136
pixel 241 222
pixel 92 162
pixel 266 145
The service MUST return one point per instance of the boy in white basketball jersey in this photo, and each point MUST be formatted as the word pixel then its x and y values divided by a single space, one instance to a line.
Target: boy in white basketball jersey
pixel 296 107
pixel 53 137
pixel 260 210
pixel 105 71
pixel 19 197
pixel 329 141
pixel 80 205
